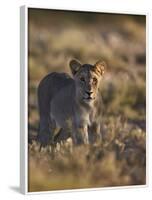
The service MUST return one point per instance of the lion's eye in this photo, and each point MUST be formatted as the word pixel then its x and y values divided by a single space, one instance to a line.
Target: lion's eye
pixel 82 79
pixel 94 80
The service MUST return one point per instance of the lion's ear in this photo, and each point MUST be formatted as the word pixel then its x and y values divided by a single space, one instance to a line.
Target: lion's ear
pixel 75 66
pixel 100 67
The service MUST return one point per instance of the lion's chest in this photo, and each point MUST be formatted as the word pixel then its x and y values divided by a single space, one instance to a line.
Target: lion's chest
pixel 84 117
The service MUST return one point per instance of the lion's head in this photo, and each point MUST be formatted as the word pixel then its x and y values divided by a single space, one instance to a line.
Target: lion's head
pixel 87 79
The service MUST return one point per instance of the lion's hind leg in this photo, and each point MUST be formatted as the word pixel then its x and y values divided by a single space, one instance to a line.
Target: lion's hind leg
pixel 62 135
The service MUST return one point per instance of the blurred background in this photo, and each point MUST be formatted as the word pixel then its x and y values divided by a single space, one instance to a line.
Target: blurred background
pixel 56 37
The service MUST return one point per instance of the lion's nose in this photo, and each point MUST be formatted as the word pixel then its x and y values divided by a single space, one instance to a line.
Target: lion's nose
pixel 89 93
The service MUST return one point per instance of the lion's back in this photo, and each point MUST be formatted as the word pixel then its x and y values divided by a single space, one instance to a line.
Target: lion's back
pixel 50 86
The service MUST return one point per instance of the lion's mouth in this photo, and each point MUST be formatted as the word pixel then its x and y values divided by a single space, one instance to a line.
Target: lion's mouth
pixel 88 98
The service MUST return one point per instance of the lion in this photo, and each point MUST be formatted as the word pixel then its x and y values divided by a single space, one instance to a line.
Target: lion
pixel 71 106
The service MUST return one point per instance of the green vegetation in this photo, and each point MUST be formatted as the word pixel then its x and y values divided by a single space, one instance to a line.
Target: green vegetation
pixel 120 160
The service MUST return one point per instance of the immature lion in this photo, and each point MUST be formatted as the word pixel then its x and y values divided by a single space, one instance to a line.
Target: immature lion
pixel 71 105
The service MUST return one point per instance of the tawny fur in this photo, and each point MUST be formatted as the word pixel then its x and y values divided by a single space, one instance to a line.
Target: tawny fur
pixel 71 107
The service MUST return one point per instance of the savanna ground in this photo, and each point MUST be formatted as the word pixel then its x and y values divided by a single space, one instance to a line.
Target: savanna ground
pixel 120 160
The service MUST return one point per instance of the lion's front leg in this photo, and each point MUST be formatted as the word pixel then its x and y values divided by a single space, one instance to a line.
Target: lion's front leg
pixel 94 132
pixel 80 135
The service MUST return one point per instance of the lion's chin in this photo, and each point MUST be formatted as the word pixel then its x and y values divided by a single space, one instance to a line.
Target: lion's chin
pixel 88 100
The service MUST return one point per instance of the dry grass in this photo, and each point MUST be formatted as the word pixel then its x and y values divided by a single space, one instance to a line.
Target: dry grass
pixel 120 40
pixel 118 161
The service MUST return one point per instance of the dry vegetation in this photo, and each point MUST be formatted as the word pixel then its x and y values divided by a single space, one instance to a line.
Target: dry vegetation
pixel 120 40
